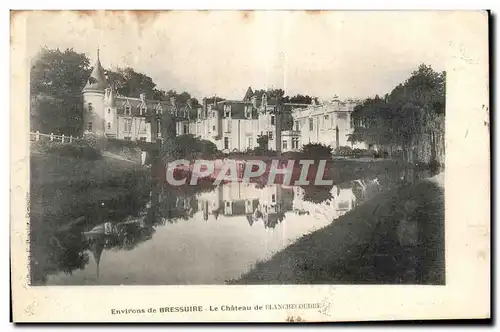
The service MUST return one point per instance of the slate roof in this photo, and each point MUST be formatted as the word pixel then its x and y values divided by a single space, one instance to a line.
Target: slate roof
pixel 135 105
pixel 97 80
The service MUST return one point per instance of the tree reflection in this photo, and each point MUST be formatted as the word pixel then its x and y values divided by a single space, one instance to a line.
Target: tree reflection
pixel 317 194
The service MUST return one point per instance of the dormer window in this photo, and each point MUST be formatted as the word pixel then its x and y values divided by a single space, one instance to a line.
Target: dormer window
pixel 144 109
pixel 128 110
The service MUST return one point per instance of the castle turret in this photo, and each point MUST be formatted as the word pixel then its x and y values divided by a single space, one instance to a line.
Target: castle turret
pixel 93 100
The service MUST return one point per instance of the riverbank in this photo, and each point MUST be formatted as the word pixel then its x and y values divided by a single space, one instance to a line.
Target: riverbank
pixel 65 189
pixel 362 247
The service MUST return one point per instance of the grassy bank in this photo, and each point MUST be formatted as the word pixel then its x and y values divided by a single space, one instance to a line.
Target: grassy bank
pixel 362 248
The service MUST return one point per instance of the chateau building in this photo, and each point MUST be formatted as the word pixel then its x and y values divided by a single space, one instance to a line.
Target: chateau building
pixel 232 125
pixel 110 115
pixel 328 123
pixel 235 125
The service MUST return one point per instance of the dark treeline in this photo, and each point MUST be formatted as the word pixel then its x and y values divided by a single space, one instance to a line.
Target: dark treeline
pixel 280 93
pixel 409 119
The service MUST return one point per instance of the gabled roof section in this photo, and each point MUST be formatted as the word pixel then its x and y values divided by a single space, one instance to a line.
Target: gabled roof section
pixel 248 94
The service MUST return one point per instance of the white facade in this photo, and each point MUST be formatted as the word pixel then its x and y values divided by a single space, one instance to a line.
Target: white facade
pixel 328 123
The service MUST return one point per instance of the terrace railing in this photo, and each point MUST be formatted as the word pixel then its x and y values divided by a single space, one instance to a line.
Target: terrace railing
pixel 37 136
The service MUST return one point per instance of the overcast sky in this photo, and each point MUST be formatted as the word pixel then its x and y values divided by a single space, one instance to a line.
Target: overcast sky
pixel 351 54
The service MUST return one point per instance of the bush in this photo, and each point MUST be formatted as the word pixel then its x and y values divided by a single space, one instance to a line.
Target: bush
pixel 189 146
pixel 344 151
pixel 260 151
pixel 316 151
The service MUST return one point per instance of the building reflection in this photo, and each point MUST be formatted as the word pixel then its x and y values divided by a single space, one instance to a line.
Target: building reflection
pixel 268 205
pixel 271 204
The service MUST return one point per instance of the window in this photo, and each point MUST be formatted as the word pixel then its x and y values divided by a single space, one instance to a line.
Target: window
pixel 311 124
pixel 144 110
pixel 297 126
pixel 226 142
pixel 109 110
pixel 89 126
pixel 213 114
pixel 109 125
pixel 90 107
pixel 273 120
pixel 185 129
pixel 142 139
pixel 128 138
pixel 326 122
pixel 285 145
pixel 128 110
pixel 213 128
pixel 295 143
pixel 128 125
pixel 273 198
pixel 270 135
pixel 249 142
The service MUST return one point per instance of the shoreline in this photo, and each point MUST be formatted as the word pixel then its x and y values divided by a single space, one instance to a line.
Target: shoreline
pixel 361 247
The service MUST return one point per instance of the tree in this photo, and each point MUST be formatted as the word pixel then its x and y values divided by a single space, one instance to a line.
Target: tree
pixel 56 82
pixel 128 82
pixel 280 94
pixel 262 145
pixel 317 151
pixel 189 146
pixel 300 99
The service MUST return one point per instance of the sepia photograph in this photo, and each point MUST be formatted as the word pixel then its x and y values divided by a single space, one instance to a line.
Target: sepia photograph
pixel 243 148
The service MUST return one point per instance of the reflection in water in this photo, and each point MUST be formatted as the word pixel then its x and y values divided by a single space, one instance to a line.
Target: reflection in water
pixel 200 235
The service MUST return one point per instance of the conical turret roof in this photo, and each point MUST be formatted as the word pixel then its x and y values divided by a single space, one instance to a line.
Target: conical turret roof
pixel 97 80
pixel 248 94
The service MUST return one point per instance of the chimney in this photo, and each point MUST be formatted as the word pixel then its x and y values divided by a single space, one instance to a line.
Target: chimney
pixel 264 100
pixel 172 101
pixel 205 107
pixel 142 96
pixel 189 103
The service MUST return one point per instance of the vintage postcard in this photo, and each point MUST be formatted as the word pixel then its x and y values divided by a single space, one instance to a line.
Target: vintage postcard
pixel 249 166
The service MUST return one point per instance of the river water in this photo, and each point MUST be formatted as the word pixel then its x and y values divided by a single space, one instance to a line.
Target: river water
pixel 202 236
